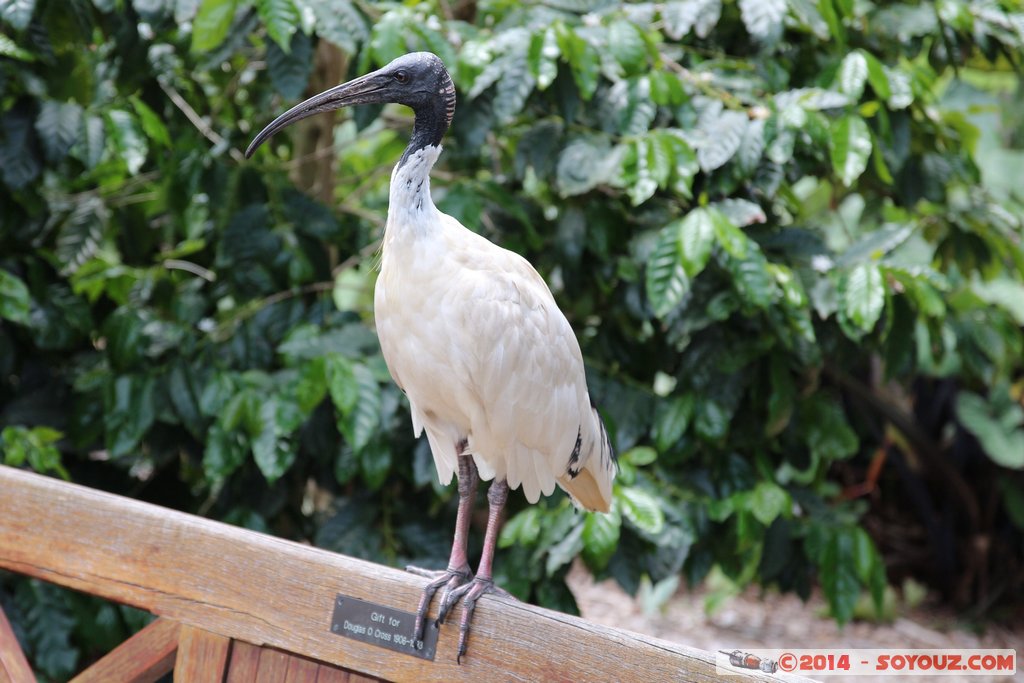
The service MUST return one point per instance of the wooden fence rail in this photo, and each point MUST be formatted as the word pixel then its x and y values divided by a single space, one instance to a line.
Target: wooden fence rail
pixel 214 585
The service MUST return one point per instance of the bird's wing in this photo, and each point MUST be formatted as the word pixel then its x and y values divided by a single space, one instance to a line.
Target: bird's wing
pixel 525 368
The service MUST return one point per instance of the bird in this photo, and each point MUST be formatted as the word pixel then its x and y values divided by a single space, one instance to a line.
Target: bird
pixel 472 335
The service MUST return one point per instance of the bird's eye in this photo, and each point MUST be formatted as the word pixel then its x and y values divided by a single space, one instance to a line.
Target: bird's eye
pixel 401 77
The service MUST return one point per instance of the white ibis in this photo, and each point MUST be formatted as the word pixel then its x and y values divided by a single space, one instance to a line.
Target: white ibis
pixel 472 335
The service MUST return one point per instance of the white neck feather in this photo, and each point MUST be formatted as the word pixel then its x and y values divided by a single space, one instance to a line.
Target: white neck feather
pixel 410 208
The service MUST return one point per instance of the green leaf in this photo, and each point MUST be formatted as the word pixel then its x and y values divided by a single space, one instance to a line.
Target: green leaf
pixel 862 298
pixel 853 74
pixel 225 452
pixel 17 13
pixel 585 163
pixel 212 23
pixel 289 70
pixel 696 237
pixel 583 58
pixel 681 17
pixel 666 88
pixel 522 529
pixel 125 338
pixel 342 384
pixel 671 419
pixel 81 234
pixel 781 400
pixel 310 387
pixel 271 449
pixel 128 139
pixel 563 552
pixel 835 27
pixel 763 18
pixel 851 147
pixel 839 574
pixel 999 430
pixel 626 43
pixel 281 18
pixel 600 538
pixel 723 137
pixel 667 283
pixel 875 244
pixel 130 405
pixel 8 48
pixel 877 75
pixel 752 278
pixel 829 435
pixel 91 142
pixel 183 392
pixel 638 456
pixel 15 301
pixel 901 94
pixel 389 36
pixel 654 597
pixel 741 212
pixel 767 501
pixel 643 185
pixel 35 446
pixel 1002 292
pixel 58 125
pixel 641 509
pixel 542 57
pixel 514 87
pixel 375 464
pixel 341 23
pixel 19 161
pixel 731 239
pixel 360 424
pixel 152 125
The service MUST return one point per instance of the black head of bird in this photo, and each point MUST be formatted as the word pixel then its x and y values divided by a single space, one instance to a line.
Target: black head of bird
pixel 417 80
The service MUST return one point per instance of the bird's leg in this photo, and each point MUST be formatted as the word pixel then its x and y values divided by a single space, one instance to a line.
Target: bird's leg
pixel 458 571
pixel 483 582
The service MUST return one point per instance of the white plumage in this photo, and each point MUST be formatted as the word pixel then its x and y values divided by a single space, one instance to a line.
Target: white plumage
pixel 472 334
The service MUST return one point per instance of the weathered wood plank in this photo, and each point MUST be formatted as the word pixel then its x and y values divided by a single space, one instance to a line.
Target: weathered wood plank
pixel 331 674
pixel 143 658
pixel 301 670
pixel 202 656
pixel 273 666
pixel 268 591
pixel 13 665
pixel 244 662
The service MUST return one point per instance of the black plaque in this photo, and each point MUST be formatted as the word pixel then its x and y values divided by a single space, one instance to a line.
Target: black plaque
pixel 382 626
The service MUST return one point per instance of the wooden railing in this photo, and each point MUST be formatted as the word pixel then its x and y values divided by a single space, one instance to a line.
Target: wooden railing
pixel 237 605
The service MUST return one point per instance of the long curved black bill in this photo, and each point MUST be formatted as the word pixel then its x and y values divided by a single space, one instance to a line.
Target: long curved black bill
pixel 368 89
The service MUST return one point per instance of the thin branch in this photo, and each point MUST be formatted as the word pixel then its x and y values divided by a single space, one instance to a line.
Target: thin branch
pixel 188 266
pixel 702 84
pixel 251 308
pixel 197 121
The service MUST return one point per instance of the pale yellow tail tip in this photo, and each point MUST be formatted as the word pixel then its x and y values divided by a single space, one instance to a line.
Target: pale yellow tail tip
pixel 585 490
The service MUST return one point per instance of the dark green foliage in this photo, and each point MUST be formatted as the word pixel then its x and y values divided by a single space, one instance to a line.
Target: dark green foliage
pixel 785 232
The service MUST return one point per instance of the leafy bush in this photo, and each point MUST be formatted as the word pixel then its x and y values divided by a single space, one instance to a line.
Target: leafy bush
pixel 787 234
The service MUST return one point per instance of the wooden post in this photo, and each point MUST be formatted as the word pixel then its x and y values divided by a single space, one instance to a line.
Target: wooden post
pixel 13 665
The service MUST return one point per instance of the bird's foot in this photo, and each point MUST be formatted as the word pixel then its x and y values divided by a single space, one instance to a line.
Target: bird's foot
pixel 469 593
pixel 449 578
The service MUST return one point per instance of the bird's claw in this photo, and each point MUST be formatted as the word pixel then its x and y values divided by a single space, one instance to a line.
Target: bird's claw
pixel 469 593
pixel 449 578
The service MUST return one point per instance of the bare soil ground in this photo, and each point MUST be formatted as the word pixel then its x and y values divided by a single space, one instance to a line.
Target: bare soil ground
pixel 753 620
